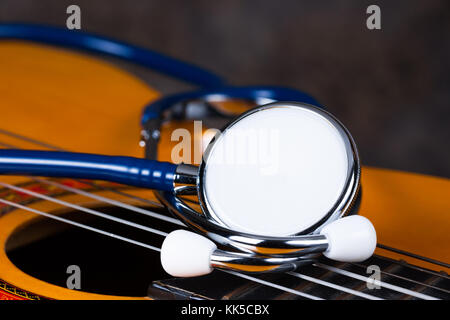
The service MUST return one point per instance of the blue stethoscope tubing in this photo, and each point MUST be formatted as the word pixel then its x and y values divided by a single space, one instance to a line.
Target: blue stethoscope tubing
pixel 252 93
pixel 126 170
pixel 132 171
pixel 98 44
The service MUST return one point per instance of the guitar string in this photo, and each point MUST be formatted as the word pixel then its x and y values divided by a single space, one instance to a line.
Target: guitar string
pixel 144 245
pixel 110 201
pixel 305 277
pixel 31 140
pixel 97 213
pixel 404 278
pixel 276 286
pixel 334 286
pixel 413 255
pixel 376 282
pixel 50 146
pixel 403 263
pixel 77 224
pixel 83 209
pixel 133 208
pixel 311 279
pixel 100 214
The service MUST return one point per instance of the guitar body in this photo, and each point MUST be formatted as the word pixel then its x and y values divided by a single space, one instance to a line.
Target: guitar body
pixel 51 97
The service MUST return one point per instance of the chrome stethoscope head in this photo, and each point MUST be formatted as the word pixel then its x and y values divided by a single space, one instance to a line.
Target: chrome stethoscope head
pixel 271 215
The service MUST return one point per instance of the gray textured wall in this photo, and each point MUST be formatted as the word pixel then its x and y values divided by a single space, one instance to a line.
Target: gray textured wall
pixel 390 87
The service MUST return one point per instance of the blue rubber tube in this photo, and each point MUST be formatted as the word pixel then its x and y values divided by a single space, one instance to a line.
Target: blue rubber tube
pixel 125 170
pixel 156 108
pixel 94 43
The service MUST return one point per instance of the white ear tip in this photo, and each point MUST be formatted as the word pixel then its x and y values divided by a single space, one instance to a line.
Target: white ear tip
pixel 350 239
pixel 186 254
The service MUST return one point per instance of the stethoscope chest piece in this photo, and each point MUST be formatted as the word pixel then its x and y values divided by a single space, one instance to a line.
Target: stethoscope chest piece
pixel 269 183
pixel 279 170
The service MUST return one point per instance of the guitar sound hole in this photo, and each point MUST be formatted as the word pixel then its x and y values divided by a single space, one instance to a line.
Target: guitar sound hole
pixel 46 248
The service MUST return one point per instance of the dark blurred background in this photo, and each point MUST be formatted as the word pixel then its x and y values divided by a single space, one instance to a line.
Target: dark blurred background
pixel 390 87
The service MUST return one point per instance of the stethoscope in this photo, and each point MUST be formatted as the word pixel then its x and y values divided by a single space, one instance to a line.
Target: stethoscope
pixel 279 185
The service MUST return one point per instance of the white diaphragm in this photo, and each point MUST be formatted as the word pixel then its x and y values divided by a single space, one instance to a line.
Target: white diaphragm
pixel 276 171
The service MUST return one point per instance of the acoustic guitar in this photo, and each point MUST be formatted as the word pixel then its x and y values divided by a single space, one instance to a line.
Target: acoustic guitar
pixel 56 99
